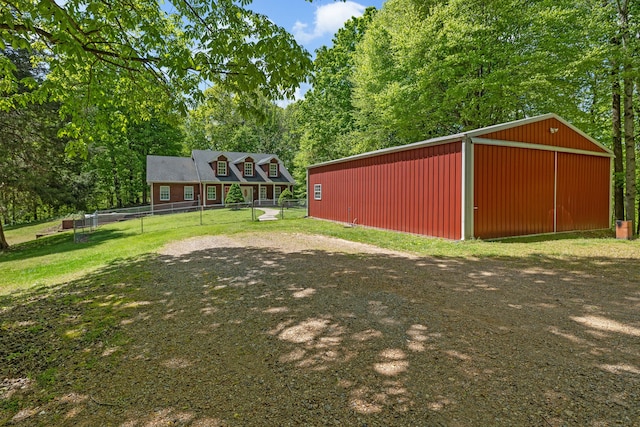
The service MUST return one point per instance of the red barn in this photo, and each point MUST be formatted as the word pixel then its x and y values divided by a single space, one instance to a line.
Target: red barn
pixel 531 176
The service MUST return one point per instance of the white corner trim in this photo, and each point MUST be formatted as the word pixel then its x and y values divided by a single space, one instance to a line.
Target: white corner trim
pixel 467 191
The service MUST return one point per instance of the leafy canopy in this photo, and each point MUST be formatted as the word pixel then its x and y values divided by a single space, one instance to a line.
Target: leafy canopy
pixel 145 53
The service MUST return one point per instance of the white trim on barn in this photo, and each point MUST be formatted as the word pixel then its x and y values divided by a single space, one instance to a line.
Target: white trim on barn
pixel 467 205
pixel 531 146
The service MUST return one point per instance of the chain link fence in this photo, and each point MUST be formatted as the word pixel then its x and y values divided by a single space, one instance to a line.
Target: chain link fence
pixel 151 218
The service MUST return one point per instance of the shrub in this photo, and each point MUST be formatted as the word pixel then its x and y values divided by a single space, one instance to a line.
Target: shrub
pixel 234 195
pixel 284 196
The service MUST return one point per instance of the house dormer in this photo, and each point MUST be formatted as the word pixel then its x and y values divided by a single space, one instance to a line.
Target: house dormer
pixel 221 166
pixel 248 167
pixel 270 166
pixel 274 168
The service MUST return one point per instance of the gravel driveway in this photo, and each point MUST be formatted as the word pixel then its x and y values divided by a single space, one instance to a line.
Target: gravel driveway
pixel 296 330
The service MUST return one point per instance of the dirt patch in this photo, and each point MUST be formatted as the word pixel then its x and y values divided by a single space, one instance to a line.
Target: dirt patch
pixel 291 329
pixel 283 242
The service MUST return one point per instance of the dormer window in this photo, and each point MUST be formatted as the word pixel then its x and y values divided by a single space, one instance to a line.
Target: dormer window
pixel 273 169
pixel 248 168
pixel 222 168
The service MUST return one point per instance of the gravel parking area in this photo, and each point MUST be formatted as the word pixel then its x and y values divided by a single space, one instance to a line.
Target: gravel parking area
pixel 255 330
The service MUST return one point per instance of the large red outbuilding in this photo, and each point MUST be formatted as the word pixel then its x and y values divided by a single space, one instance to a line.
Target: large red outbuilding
pixel 531 176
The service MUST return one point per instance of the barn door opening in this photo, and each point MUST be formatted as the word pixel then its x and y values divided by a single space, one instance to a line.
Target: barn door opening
pixel 514 191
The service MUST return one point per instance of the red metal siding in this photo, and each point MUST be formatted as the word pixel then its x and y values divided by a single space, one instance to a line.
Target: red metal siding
pixel 513 191
pixel 416 191
pixel 583 192
pixel 539 133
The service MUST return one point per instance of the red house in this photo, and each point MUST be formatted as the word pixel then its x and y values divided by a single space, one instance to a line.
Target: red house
pixel 206 177
pixel 531 176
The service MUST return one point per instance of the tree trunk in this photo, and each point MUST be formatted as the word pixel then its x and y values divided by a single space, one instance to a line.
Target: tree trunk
pixel 629 137
pixel 618 162
pixel 630 148
pixel 3 241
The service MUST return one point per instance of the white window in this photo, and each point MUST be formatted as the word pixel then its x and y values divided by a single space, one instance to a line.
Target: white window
pixel 263 193
pixel 165 193
pixel 317 192
pixel 222 168
pixel 273 169
pixel 188 192
pixel 248 169
pixel 211 192
pixel 276 192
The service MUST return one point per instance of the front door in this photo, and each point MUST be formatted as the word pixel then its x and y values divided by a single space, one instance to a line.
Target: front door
pixel 247 193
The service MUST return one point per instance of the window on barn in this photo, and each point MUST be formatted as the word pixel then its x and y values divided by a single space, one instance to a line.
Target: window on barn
pixel 317 192
pixel 211 192
pixel 165 193
pixel 188 192
pixel 276 192
pixel 222 168
pixel 273 169
pixel 248 169
pixel 263 193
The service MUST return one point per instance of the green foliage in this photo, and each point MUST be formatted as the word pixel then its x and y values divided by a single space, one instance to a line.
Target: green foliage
pixel 326 116
pixel 146 56
pixel 457 65
pixel 234 195
pixel 229 121
pixel 118 158
pixel 284 196
pixel 36 178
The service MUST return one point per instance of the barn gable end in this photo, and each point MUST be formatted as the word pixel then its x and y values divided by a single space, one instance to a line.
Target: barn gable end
pixel 548 130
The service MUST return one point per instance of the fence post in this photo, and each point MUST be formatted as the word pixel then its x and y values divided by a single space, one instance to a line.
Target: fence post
pixel 141 224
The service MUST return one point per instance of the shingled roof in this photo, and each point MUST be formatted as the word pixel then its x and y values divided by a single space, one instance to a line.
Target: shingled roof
pixel 199 168
pixel 171 169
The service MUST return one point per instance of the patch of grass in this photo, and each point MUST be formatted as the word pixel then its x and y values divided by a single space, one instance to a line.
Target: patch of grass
pixel 55 259
pixel 293 213
pixel 47 377
pixel 16 234
pixel 11 405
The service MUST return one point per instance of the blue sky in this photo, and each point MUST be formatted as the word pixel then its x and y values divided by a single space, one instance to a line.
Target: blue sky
pixel 312 24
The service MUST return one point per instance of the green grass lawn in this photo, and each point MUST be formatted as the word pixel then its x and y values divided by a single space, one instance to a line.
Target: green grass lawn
pixel 55 259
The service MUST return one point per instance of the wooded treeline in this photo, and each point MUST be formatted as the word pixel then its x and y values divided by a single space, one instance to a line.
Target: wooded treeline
pixel 414 70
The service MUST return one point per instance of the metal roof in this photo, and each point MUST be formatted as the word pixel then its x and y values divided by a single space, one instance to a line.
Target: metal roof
pixel 462 135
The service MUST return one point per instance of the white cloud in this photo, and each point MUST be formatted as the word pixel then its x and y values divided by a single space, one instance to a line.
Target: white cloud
pixel 329 19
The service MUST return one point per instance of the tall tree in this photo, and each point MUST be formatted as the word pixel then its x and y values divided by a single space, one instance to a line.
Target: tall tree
pixel 425 70
pixel 139 46
pixel 34 171
pixel 627 102
pixel 230 122
pixel 328 106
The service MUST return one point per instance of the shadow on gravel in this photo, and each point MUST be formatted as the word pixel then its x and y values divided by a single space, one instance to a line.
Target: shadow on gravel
pixel 254 336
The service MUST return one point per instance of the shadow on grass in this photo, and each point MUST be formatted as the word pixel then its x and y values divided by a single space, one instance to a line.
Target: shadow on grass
pixel 254 336
pixel 597 234
pixel 56 243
